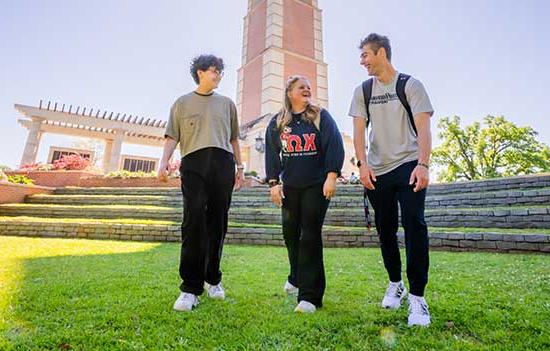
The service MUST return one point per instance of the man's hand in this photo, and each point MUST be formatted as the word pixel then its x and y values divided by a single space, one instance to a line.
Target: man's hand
pixel 277 195
pixel 367 177
pixel 329 188
pixel 239 180
pixel 421 176
pixel 163 171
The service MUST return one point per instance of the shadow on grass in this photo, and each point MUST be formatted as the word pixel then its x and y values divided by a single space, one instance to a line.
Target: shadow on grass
pixel 123 301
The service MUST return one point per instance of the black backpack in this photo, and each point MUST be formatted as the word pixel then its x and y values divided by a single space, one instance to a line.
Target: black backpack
pixel 400 90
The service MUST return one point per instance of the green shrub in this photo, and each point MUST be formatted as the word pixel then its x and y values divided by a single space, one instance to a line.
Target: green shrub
pixel 128 174
pixel 20 179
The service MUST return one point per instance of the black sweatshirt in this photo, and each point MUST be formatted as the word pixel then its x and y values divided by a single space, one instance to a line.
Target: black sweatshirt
pixel 302 155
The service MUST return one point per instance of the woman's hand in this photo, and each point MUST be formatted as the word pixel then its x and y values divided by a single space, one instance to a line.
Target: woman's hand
pixel 277 195
pixel 329 188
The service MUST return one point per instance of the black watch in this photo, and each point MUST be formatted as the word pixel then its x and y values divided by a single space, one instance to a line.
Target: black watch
pixel 359 163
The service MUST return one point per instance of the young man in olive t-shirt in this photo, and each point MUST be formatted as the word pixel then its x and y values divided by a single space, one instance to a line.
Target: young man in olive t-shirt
pixel 206 127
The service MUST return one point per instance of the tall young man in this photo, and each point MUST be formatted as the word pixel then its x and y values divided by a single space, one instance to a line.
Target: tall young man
pixel 205 125
pixel 396 171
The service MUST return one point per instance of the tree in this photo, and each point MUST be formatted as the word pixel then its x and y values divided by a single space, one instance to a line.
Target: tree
pixel 499 148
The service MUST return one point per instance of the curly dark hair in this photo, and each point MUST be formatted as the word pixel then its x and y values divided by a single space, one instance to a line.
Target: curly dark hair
pixel 203 63
pixel 377 41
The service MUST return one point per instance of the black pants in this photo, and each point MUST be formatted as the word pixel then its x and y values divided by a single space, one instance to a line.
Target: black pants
pixel 304 212
pixel 207 180
pixel 390 189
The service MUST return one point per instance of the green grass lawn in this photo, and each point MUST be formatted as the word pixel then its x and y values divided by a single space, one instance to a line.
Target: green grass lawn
pixel 65 294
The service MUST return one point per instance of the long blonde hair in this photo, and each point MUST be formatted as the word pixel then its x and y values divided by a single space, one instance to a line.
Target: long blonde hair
pixel 311 113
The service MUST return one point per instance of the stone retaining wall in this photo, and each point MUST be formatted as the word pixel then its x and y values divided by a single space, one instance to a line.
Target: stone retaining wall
pixel 518 218
pixel 482 186
pixel 272 236
pixel 499 199
pixel 16 193
pixel 55 179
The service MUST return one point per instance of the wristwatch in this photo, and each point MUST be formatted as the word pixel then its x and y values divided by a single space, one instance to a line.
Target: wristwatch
pixel 273 182
pixel 241 167
pixel 359 164
pixel 423 165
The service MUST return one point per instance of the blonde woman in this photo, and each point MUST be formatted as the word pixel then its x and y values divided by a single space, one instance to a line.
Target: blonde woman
pixel 304 157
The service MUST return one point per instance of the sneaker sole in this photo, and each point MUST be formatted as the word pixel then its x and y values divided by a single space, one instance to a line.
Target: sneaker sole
pixel 405 294
pixel 299 310
pixel 185 310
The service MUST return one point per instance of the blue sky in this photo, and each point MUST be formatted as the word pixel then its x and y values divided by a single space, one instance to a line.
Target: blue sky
pixel 474 57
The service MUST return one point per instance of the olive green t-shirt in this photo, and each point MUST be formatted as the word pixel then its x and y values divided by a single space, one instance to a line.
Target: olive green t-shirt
pixel 201 121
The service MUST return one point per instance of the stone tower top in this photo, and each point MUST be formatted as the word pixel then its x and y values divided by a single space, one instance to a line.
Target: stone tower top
pixel 281 38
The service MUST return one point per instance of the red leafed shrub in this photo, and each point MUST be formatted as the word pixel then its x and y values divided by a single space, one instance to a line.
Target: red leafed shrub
pixel 73 162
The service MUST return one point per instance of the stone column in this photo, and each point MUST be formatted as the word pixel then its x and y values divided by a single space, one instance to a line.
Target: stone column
pixel 116 146
pixel 33 142
pixel 107 155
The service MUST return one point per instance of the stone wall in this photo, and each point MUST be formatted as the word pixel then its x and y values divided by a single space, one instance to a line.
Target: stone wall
pixel 55 179
pixel 497 211
pixel 273 236
pixel 16 193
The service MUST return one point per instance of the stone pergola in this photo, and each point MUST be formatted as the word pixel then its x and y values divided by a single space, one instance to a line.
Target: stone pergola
pixel 113 128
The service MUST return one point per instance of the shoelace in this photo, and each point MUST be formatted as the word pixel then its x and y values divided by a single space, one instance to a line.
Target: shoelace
pixel 393 290
pixel 419 307
pixel 216 289
pixel 187 296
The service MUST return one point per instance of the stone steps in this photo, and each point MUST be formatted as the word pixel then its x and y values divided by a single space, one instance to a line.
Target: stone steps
pixel 488 209
pixel 484 240
pixel 505 217
pixel 512 183
pixel 540 196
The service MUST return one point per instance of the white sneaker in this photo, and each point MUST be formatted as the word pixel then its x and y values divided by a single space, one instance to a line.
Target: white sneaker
pixel 186 302
pixel 418 311
pixel 216 291
pixel 305 307
pixel 290 289
pixel 394 294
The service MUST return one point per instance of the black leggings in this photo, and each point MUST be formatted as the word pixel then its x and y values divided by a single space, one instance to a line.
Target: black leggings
pixel 304 212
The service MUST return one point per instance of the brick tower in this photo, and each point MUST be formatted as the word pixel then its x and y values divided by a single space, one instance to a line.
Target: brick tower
pixel 281 38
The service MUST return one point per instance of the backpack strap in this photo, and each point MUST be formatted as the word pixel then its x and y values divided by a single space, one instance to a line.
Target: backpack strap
pixel 367 92
pixel 400 90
